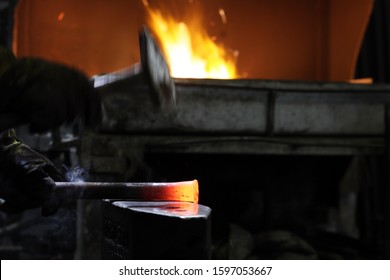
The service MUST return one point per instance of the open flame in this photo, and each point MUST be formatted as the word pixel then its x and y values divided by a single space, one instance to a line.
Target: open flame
pixel 189 51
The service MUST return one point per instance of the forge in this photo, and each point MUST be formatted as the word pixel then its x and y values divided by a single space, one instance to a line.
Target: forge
pixel 293 147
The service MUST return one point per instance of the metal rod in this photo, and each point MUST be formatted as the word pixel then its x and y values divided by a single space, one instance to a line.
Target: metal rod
pixel 186 191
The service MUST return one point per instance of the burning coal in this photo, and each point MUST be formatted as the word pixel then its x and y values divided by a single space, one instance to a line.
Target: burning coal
pixel 189 50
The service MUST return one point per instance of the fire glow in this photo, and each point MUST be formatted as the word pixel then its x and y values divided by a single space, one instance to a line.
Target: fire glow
pixel 187 191
pixel 189 51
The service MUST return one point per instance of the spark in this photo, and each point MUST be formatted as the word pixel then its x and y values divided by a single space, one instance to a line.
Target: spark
pixel 61 16
pixel 223 15
pixel 146 3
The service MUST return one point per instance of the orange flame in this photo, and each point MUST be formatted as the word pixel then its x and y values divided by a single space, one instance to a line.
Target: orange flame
pixel 189 51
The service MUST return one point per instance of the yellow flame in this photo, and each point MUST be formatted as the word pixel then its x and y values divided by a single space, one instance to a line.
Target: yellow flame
pixel 189 51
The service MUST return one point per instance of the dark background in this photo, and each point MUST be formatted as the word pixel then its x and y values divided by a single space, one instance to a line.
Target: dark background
pixel 293 189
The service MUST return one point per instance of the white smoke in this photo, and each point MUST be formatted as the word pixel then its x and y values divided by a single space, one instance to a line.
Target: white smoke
pixel 76 174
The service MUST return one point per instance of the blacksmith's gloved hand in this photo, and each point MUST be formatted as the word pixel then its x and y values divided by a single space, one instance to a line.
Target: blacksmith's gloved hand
pixel 26 177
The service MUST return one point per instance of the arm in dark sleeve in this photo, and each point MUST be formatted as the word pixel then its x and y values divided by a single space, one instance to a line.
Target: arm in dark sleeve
pixel 26 177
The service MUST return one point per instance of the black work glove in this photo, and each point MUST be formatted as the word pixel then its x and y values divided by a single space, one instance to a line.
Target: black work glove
pixel 26 177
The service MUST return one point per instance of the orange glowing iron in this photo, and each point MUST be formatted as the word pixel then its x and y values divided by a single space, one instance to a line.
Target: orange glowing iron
pixel 186 191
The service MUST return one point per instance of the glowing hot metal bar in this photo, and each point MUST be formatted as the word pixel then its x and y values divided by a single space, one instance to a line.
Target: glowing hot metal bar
pixel 186 191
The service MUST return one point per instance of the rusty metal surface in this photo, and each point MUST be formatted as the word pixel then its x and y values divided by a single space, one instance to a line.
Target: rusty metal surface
pixel 251 108
pixel 197 110
pixel 131 148
pixel 329 113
